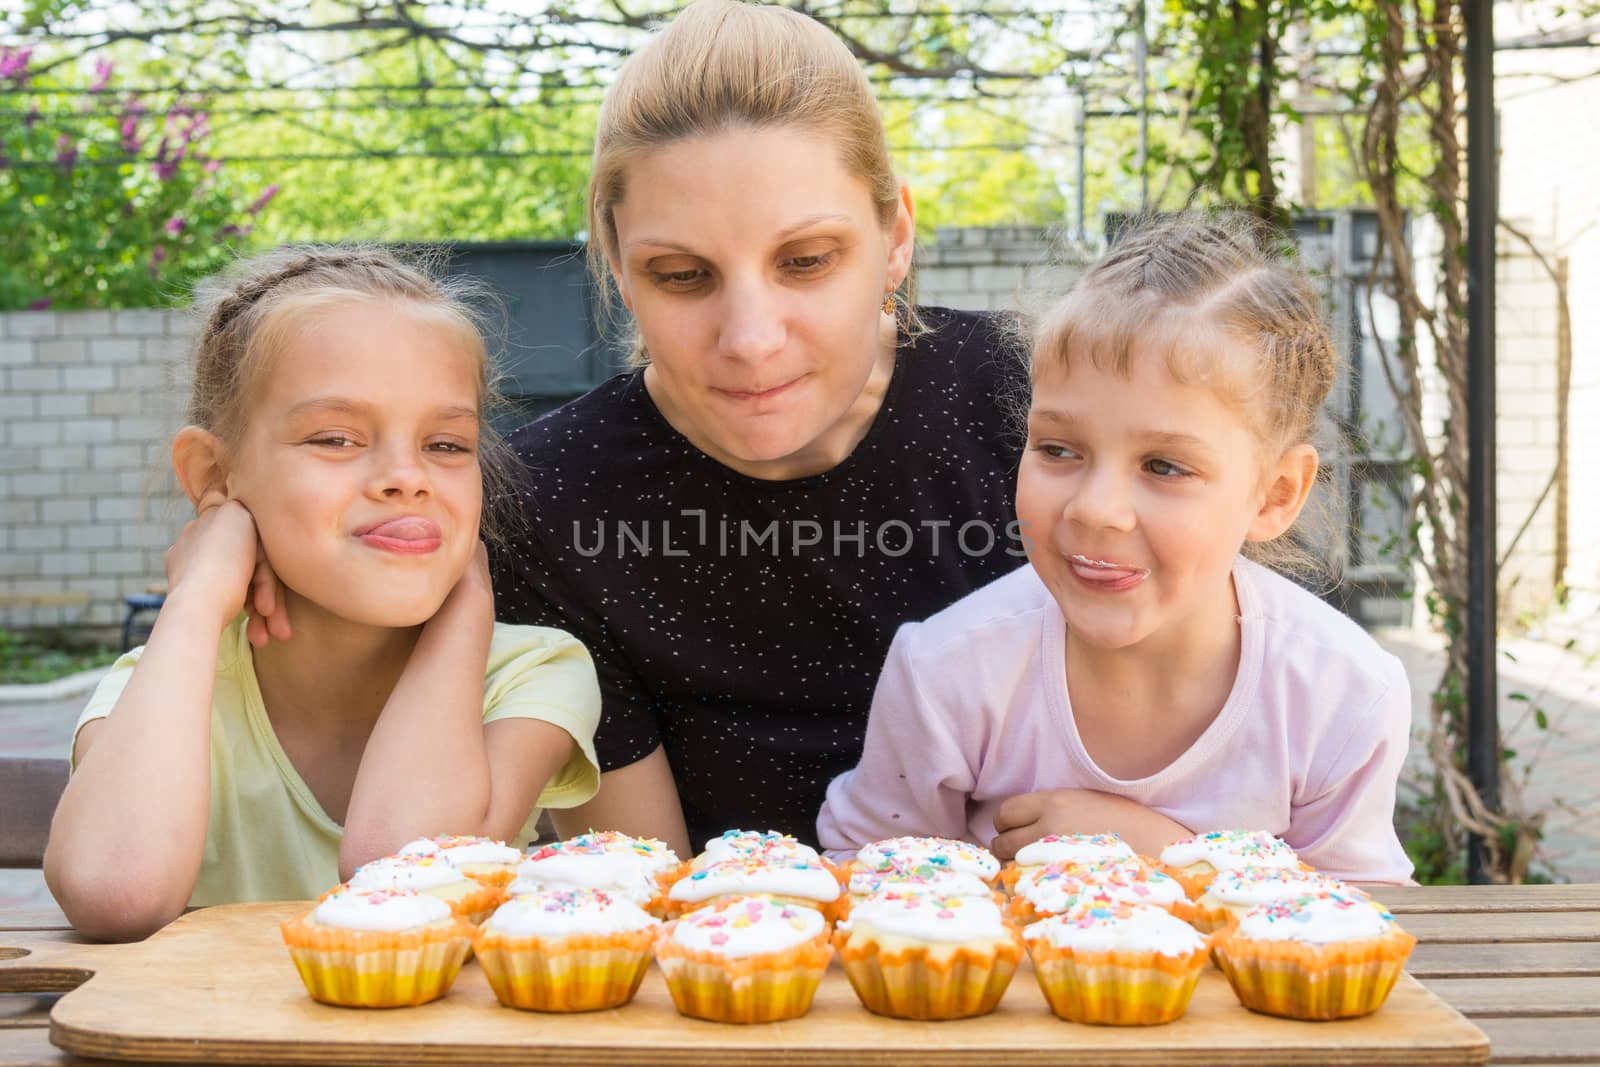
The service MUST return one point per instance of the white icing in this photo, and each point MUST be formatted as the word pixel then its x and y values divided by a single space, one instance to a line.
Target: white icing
pixel 621 865
pixel 914 852
pixel 406 872
pixel 1248 887
pixel 932 883
pixel 928 918
pixel 1228 849
pixel 1136 928
pixel 379 909
pixel 1074 848
pixel 463 850
pixel 747 926
pixel 1318 920
pixel 745 876
pixel 765 844
pixel 566 912
pixel 1055 889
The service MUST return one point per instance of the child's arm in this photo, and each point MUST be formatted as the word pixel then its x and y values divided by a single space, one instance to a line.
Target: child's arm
pixel 915 773
pixel 640 799
pixel 129 833
pixel 1027 817
pixel 432 766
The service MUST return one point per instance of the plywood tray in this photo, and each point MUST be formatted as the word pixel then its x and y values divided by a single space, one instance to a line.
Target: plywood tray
pixel 218 986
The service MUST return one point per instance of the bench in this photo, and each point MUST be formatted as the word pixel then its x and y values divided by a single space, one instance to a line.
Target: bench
pixel 29 790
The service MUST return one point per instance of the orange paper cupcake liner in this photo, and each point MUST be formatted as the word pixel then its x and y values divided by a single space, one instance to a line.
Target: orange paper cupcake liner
pixel 1302 981
pixel 1117 987
pixel 748 989
pixel 496 875
pixel 376 968
pixel 584 972
pixel 926 983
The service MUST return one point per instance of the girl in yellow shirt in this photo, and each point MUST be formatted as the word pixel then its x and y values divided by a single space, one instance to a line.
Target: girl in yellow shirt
pixel 325 680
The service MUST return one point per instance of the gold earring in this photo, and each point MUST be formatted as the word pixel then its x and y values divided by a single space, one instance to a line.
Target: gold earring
pixel 889 304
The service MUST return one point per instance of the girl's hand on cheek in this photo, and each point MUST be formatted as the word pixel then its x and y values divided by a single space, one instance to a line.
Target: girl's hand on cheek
pixel 268 607
pixel 473 594
pixel 212 561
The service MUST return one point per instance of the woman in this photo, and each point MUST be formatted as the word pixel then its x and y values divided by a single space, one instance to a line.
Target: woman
pixel 797 464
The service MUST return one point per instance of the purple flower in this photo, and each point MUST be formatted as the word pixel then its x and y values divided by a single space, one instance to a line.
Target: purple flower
pixel 102 75
pixel 14 63
pixel 130 134
pixel 39 304
pixel 32 118
pixel 174 225
pixel 263 200
pixel 66 152
pixel 158 256
pixel 213 165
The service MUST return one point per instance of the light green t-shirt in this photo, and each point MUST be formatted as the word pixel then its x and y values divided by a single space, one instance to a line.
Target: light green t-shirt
pixel 269 839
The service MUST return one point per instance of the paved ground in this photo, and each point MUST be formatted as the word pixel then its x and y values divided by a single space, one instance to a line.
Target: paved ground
pixel 1560 773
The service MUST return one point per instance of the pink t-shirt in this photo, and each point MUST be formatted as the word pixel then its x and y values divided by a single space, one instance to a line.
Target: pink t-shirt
pixel 972 709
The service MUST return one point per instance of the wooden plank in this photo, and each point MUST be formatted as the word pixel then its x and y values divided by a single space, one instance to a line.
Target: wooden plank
pixel 1549 960
pixel 217 986
pixel 1564 1040
pixel 1500 927
pixel 1481 998
pixel 32 1048
pixel 48 917
pixel 1404 900
pixel 26 1009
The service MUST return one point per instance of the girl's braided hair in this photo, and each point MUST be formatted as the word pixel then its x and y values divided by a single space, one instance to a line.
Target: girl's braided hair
pixel 247 313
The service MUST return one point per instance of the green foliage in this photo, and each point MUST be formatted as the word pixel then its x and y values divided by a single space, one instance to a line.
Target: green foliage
pixel 111 207
pixel 27 659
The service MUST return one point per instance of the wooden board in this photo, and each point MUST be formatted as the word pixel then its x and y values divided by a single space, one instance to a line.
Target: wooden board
pixel 217 985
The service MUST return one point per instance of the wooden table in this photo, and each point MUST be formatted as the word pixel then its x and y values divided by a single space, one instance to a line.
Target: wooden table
pixel 1522 962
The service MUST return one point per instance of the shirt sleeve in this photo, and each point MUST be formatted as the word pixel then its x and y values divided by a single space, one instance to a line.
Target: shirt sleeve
pixel 530 589
pixel 1344 826
pixel 105 696
pixel 913 777
pixel 539 673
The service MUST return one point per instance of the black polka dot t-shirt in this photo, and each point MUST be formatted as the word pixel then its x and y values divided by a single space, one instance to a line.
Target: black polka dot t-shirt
pixel 740 622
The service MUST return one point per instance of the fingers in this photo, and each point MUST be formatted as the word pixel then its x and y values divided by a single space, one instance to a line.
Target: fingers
pixel 211 498
pixel 1005 846
pixel 268 607
pixel 1021 810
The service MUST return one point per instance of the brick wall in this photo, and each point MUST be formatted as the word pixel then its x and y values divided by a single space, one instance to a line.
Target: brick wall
pixel 85 501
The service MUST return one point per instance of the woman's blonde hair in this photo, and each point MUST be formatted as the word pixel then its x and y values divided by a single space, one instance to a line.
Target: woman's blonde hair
pixel 246 315
pixel 1222 298
pixel 722 65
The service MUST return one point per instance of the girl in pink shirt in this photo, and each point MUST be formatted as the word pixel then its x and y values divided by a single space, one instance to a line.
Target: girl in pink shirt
pixel 1148 673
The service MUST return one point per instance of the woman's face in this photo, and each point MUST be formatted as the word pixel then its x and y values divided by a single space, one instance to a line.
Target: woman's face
pixel 756 267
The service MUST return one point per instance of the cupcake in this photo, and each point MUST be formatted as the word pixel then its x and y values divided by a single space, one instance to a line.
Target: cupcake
pixel 479 858
pixel 378 948
pixel 927 880
pixel 1325 955
pixel 744 960
pixel 754 844
pixel 808 885
pixel 1117 964
pixel 906 853
pixel 1061 887
pixel 915 956
pixel 1234 892
pixel 1076 849
pixel 632 868
pixel 1195 860
pixel 435 876
pixel 565 950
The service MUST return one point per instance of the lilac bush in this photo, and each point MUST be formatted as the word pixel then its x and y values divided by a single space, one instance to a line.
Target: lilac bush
pixel 107 200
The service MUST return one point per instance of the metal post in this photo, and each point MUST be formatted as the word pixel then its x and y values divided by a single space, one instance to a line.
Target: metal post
pixel 1083 169
pixel 1141 50
pixel 1483 731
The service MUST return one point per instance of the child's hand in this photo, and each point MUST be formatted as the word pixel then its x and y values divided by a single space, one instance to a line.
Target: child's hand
pixel 473 595
pixel 269 608
pixel 213 558
pixel 1029 816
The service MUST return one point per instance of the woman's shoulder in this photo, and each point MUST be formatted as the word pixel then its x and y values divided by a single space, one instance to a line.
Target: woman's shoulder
pixel 614 408
pixel 974 343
